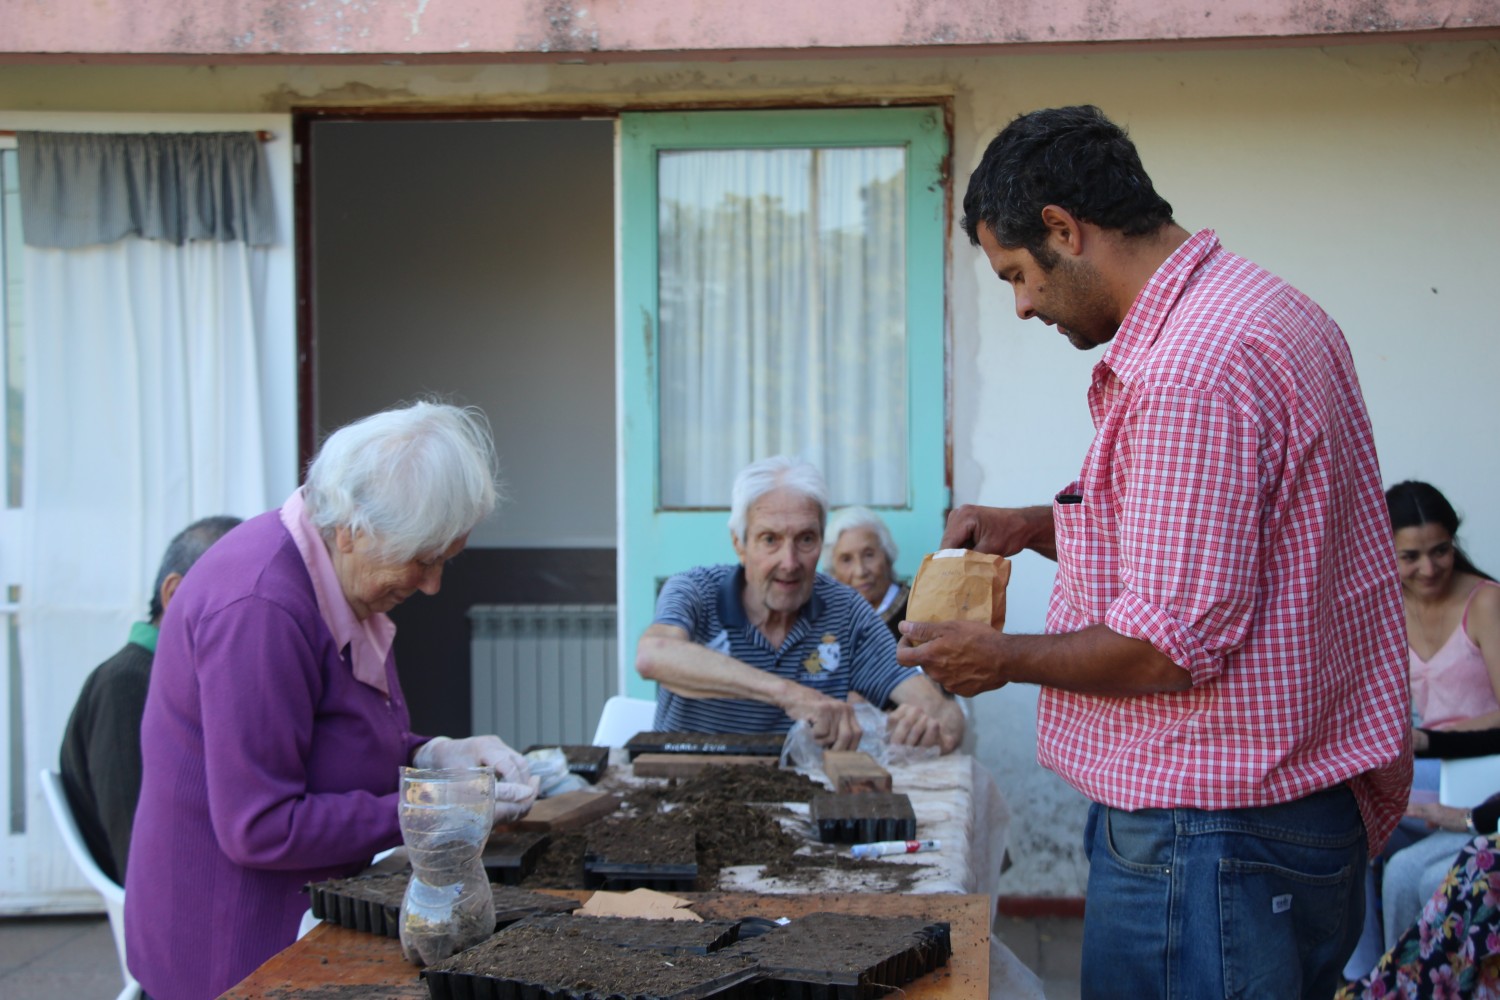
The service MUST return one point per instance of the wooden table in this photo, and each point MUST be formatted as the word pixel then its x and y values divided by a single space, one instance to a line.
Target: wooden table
pixel 331 962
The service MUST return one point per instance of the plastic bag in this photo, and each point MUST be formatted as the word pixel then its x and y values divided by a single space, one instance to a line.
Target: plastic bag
pixel 901 754
pixel 550 765
pixel 805 753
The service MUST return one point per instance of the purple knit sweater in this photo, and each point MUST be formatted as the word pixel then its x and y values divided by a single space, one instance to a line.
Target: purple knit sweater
pixel 266 766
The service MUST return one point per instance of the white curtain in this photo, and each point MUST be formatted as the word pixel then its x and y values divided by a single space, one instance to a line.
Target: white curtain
pixel 783 319
pixel 143 414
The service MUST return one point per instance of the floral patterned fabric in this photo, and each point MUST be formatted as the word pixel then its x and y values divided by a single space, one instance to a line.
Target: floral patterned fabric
pixel 1453 951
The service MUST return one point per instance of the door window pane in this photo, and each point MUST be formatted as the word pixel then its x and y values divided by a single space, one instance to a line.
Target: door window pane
pixel 11 357
pixel 783 319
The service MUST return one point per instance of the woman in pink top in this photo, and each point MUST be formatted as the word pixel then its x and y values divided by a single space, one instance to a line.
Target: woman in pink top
pixel 1452 614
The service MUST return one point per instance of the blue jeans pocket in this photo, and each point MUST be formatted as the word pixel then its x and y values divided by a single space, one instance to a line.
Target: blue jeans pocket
pixel 1125 927
pixel 1266 910
pixel 1140 841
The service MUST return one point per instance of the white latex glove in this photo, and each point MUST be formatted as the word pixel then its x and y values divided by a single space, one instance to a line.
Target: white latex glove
pixel 514 800
pixel 515 788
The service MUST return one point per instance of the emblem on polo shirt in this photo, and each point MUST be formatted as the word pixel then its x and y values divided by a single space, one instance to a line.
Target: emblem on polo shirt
pixel 826 658
pixel 720 643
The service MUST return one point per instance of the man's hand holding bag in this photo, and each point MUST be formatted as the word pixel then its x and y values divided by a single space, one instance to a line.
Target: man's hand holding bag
pixel 956 585
pixel 960 585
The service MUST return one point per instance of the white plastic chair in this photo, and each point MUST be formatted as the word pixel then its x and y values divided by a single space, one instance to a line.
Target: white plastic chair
pixel 114 895
pixel 1465 782
pixel 622 718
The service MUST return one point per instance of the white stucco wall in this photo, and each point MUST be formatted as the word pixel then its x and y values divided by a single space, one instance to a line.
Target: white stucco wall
pixel 1366 175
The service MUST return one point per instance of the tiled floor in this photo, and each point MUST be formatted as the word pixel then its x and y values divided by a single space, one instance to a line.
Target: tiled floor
pixel 1049 946
pixel 58 957
pixel 75 956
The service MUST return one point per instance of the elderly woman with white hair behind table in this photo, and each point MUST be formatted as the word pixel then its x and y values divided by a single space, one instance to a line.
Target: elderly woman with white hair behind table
pixel 275 727
pixel 860 552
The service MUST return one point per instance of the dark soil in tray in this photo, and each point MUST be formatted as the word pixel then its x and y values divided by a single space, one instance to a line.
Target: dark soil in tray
pixel 356 991
pixel 863 818
pixel 644 840
pixel 749 744
pixel 729 831
pixel 372 903
pixel 562 866
pixel 860 956
pixel 548 963
pixel 698 937
pixel 589 762
pixel 653 851
pixel 714 785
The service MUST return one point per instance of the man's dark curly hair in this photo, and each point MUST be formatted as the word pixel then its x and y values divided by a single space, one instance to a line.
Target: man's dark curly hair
pixel 1074 158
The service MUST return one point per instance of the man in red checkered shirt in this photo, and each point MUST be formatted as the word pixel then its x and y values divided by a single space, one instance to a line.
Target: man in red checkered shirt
pixel 1224 673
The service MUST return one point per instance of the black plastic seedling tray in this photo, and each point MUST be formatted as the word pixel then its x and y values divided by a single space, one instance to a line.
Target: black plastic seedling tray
pixel 372 903
pixel 738 744
pixel 589 763
pixel 362 903
pixel 580 967
pixel 863 818
pixel 443 985
pixel 840 956
pixel 599 873
pixel 650 854
pixel 693 937
pixel 510 857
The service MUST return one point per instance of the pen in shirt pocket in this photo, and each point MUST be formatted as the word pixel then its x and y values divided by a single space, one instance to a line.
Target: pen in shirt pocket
pixel 1069 498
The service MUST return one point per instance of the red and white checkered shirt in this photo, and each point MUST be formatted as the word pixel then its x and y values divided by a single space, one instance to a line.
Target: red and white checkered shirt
pixel 1232 516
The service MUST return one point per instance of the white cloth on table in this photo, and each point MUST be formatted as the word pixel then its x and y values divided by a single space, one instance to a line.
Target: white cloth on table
pixel 956 802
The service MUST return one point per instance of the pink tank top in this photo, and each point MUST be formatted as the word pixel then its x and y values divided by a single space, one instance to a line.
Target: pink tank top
pixel 1455 684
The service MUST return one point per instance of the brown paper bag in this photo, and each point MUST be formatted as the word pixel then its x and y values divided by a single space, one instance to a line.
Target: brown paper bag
pixel 960 585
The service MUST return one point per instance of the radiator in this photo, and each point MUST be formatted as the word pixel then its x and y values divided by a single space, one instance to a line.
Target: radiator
pixel 541 673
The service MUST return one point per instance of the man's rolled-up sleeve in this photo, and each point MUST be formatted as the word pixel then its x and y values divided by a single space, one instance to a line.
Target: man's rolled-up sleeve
pixel 1190 527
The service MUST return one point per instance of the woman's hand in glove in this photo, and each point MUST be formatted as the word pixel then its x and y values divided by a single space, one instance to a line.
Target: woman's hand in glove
pixel 514 799
pixel 515 788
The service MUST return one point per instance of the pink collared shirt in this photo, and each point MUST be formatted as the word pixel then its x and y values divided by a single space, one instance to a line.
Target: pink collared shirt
pixel 1232 516
pixel 368 641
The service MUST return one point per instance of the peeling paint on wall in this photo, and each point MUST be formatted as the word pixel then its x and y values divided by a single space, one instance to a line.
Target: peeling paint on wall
pixel 528 28
pixel 416 17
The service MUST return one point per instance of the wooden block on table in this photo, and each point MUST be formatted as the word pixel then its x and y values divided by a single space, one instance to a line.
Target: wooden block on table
pixel 566 811
pixel 685 765
pixel 852 771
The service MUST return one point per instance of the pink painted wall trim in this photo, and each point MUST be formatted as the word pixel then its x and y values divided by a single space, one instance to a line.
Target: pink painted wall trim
pixel 299 30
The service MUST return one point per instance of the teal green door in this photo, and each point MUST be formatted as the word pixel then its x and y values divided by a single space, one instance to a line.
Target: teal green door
pixel 782 279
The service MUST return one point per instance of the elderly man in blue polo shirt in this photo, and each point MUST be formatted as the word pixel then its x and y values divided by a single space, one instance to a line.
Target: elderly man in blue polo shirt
pixel 754 647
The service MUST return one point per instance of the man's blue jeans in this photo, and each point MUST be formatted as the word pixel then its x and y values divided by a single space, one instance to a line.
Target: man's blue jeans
pixel 1192 904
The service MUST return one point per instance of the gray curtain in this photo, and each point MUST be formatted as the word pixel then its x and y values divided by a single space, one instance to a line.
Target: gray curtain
pixel 79 189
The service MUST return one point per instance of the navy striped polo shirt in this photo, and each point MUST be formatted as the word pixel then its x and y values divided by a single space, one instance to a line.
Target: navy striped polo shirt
pixel 837 644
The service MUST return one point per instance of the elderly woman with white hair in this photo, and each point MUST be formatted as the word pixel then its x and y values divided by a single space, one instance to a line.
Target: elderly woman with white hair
pixel 275 726
pixel 860 553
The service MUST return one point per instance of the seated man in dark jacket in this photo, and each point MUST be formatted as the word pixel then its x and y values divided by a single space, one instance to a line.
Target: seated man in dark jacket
pixel 101 749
